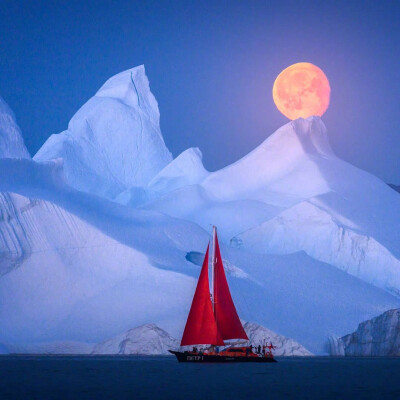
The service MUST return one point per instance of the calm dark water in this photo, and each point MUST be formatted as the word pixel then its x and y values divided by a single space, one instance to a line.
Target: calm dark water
pixel 54 377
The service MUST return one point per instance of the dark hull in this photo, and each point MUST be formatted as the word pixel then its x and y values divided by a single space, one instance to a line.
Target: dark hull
pixel 206 358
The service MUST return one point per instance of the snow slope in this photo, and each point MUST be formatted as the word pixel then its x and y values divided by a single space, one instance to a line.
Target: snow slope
pixel 291 190
pixel 74 274
pixel 114 141
pixel 11 141
pixel 96 268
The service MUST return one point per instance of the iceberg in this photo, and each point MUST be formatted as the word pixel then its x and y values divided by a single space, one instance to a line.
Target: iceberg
pixel 102 233
pixel 259 335
pixel 148 339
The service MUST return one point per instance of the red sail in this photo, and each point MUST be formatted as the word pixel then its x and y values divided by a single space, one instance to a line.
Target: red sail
pixel 227 318
pixel 201 327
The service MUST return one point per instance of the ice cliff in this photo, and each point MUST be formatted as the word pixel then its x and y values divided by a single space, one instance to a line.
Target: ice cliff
pixel 11 141
pixel 379 336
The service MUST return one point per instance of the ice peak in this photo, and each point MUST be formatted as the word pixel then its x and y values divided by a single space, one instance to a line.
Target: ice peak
pixel 309 133
pixel 132 88
pixel 114 141
pixel 11 141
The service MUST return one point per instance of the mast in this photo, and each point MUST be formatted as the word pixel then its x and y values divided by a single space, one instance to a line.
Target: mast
pixel 213 267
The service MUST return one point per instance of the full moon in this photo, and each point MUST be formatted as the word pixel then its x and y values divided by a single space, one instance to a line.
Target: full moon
pixel 301 90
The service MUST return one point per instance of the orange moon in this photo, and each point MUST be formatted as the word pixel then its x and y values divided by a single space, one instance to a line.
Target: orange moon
pixel 301 90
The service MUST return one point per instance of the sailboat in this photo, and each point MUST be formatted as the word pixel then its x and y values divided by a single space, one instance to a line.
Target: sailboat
pixel 213 320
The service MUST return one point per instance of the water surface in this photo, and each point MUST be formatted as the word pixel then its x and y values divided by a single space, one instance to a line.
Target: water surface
pixel 124 377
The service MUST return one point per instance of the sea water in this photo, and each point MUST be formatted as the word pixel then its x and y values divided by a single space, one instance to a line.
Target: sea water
pixel 133 377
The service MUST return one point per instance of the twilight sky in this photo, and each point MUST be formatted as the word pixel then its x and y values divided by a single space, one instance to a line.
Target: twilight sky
pixel 211 66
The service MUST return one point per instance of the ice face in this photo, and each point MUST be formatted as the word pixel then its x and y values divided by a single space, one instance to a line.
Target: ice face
pixel 11 142
pixel 114 141
pixel 379 336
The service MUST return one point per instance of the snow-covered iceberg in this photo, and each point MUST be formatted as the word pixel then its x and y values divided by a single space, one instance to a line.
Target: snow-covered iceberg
pixel 148 339
pixel 114 141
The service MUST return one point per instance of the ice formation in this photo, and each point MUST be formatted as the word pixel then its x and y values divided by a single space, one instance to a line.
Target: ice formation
pixel 310 242
pixel 114 141
pixel 259 335
pixel 147 339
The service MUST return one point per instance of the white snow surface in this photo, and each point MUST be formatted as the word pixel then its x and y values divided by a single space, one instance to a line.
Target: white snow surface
pixel 311 243
pixel 11 141
pixel 260 335
pixel 114 141
pixel 147 339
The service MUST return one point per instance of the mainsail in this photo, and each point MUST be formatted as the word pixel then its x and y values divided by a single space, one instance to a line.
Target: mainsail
pixel 228 321
pixel 212 322
pixel 201 327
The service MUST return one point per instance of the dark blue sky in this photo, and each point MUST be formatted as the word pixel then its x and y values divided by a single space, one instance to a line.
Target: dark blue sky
pixel 211 67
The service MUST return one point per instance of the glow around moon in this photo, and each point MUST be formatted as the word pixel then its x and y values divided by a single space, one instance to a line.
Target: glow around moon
pixel 301 90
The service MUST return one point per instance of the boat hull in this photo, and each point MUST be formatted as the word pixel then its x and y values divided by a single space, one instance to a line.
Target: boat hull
pixel 207 358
